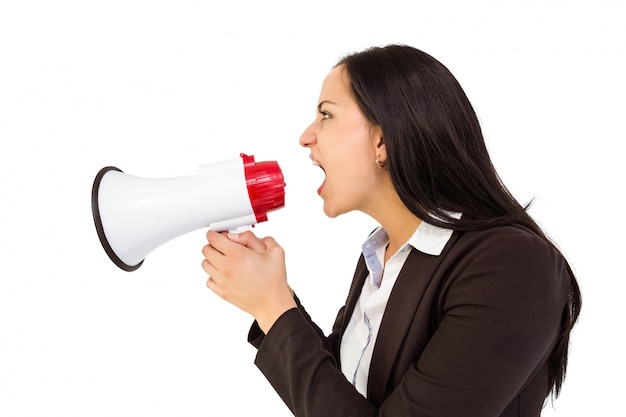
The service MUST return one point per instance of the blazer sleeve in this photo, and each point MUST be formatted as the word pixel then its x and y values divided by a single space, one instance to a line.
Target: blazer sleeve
pixel 495 315
pixel 329 343
pixel 305 374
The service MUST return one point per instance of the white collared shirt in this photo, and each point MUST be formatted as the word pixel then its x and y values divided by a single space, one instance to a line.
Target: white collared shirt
pixel 357 343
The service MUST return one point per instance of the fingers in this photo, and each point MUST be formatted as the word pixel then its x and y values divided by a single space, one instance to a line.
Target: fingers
pixel 211 264
pixel 249 240
pixel 212 254
pixel 214 278
pixel 217 241
pixel 222 253
pixel 269 243
pixel 213 286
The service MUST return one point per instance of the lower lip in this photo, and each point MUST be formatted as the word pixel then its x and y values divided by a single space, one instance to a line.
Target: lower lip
pixel 319 190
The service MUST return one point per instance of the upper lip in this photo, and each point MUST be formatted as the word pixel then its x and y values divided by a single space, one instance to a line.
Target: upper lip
pixel 315 161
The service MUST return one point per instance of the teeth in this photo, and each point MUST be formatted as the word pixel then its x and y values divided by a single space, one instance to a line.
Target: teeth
pixel 315 163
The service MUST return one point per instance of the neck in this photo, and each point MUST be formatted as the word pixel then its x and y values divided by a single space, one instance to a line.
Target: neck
pixel 399 231
pixel 398 221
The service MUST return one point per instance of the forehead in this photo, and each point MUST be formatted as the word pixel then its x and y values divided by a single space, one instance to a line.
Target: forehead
pixel 336 84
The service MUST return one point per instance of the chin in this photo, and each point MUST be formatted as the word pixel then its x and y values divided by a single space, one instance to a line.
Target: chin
pixel 332 212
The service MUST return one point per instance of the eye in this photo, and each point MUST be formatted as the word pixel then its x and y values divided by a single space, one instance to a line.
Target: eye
pixel 324 115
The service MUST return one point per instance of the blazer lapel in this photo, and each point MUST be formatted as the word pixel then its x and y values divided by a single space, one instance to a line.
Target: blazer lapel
pixel 360 274
pixel 401 309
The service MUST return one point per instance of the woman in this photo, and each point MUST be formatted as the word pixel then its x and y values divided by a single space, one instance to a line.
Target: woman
pixel 459 306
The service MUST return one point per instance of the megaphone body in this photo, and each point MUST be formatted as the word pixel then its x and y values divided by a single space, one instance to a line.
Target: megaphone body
pixel 134 215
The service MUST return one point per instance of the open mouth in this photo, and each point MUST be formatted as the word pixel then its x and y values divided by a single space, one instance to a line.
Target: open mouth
pixel 316 163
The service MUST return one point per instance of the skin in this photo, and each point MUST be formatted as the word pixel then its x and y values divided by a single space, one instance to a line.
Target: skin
pixel 250 272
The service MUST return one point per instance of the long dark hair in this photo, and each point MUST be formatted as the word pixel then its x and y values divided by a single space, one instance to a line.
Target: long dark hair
pixel 437 157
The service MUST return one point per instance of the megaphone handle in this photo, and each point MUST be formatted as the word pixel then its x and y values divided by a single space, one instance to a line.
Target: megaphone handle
pixel 239 229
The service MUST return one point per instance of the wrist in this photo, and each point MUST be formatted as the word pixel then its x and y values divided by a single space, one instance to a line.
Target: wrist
pixel 267 318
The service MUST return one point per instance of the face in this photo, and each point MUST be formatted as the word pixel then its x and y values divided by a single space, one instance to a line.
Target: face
pixel 345 145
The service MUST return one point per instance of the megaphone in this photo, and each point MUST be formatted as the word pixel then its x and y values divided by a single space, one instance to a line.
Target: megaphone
pixel 133 215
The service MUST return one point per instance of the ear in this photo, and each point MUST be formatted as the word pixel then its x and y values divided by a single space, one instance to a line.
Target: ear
pixel 379 141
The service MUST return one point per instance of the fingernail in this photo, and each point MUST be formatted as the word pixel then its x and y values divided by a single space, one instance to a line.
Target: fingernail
pixel 233 235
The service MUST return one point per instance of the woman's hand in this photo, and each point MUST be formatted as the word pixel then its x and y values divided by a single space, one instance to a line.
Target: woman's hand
pixel 249 273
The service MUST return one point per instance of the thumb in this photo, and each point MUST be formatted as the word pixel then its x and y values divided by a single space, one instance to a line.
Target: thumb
pixel 248 239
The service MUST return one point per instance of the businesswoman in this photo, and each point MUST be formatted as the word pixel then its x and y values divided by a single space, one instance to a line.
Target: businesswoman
pixel 459 304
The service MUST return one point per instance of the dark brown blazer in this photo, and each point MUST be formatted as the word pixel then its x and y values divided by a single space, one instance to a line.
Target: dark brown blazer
pixel 467 333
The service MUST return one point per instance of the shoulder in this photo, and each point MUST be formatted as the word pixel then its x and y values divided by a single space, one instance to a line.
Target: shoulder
pixel 513 241
pixel 509 261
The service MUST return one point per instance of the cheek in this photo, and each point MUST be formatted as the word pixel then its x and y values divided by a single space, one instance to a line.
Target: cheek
pixel 350 154
pixel 361 160
pixel 356 175
pixel 356 146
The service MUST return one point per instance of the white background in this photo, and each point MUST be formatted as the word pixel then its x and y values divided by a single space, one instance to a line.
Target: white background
pixel 158 88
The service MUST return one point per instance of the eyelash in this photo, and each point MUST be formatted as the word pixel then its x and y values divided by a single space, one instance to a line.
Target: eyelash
pixel 325 115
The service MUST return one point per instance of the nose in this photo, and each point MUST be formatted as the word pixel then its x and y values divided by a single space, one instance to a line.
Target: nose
pixel 308 137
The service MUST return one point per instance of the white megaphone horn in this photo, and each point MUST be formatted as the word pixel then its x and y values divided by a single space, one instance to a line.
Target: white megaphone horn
pixel 133 215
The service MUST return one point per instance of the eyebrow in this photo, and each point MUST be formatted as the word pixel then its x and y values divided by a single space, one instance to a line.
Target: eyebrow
pixel 319 106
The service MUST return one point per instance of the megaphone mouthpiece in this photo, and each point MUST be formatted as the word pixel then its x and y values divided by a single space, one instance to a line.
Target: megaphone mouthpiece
pixel 266 186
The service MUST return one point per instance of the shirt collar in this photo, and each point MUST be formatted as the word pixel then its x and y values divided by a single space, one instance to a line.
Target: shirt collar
pixel 427 238
pixel 431 239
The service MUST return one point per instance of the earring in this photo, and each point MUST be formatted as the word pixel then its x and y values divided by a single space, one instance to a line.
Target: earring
pixel 381 164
